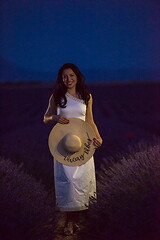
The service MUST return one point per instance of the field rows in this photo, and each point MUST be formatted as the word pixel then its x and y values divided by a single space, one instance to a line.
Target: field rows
pixel 124 114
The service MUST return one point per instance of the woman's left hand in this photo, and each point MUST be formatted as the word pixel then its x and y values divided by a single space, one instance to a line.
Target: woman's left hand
pixel 97 142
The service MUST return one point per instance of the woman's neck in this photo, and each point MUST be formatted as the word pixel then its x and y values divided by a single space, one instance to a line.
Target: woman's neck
pixel 72 92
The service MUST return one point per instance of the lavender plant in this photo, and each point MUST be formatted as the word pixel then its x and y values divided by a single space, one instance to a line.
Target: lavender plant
pixel 128 205
pixel 26 208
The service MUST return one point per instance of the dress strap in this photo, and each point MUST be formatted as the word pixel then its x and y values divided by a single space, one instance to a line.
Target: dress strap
pixel 74 98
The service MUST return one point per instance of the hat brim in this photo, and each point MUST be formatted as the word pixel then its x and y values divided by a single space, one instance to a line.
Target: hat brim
pixel 79 128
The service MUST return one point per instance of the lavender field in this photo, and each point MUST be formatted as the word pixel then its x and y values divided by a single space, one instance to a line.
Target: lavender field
pixel 127 115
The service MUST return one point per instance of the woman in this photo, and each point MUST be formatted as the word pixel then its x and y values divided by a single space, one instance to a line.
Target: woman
pixel 74 186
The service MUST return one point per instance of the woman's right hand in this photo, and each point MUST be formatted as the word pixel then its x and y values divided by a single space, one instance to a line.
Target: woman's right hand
pixel 62 120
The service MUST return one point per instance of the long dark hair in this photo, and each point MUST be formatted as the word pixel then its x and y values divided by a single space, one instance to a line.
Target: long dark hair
pixel 61 89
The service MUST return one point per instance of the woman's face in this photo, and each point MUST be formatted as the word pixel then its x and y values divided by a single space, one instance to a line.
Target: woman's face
pixel 69 78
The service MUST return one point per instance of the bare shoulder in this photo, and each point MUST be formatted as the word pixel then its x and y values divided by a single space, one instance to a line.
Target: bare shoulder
pixel 51 97
pixel 51 100
pixel 90 99
pixel 51 110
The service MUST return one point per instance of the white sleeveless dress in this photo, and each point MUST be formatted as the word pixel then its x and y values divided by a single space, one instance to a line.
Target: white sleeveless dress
pixel 74 186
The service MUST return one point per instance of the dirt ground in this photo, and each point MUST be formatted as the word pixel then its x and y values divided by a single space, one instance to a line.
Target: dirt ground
pixel 60 227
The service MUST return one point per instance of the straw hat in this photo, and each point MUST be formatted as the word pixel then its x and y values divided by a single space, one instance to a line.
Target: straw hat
pixel 72 143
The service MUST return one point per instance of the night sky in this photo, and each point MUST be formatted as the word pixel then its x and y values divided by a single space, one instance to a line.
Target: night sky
pixel 107 39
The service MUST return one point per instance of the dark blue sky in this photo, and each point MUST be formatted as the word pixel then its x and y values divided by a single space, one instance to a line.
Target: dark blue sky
pixel 114 36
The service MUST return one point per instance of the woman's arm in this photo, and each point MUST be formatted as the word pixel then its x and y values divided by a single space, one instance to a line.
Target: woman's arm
pixel 50 115
pixel 50 112
pixel 90 120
